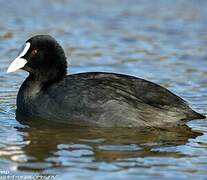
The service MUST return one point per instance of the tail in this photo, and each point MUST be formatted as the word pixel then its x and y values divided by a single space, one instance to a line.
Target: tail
pixel 194 115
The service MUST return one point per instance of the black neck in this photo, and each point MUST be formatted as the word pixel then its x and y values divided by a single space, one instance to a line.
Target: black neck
pixel 47 79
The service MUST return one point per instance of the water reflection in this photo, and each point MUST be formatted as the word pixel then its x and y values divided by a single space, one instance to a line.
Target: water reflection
pixel 162 41
pixel 53 144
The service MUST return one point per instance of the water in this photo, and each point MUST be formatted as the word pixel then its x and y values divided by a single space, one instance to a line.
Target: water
pixel 162 41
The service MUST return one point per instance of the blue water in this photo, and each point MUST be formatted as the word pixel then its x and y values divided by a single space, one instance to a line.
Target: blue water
pixel 163 41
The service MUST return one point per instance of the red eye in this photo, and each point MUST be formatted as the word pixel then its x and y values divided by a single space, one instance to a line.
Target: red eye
pixel 33 52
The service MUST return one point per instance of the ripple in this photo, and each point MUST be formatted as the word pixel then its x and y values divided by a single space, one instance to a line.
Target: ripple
pixel 162 41
pixel 131 147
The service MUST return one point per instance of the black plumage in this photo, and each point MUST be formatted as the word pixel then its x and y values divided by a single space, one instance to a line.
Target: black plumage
pixel 95 98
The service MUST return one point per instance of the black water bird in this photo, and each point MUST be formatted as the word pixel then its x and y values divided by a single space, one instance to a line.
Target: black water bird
pixel 94 98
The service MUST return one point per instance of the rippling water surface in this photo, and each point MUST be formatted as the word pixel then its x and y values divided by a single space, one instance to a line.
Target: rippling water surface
pixel 162 41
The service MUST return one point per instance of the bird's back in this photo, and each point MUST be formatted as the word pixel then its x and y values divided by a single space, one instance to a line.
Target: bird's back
pixel 108 99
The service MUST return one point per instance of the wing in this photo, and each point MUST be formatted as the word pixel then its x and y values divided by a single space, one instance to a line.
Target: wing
pixel 129 86
pixel 85 93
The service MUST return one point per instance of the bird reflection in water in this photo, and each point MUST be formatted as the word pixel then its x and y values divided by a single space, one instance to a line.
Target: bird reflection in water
pixel 60 144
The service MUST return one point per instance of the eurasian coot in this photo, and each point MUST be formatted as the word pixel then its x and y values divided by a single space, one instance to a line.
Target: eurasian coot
pixel 95 98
